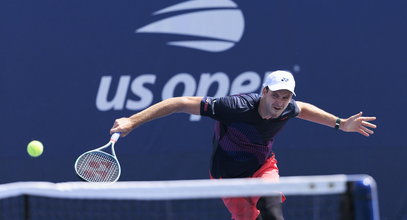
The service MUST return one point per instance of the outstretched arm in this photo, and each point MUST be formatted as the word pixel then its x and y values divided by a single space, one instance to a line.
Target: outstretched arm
pixel 166 107
pixel 355 123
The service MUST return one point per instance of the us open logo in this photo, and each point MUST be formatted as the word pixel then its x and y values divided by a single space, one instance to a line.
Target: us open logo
pixel 212 26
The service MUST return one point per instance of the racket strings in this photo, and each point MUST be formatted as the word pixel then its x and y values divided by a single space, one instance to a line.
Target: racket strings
pixel 98 167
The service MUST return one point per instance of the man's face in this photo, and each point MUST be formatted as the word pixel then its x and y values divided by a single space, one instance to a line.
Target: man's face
pixel 275 102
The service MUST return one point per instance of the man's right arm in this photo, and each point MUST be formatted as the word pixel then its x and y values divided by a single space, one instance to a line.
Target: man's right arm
pixel 166 107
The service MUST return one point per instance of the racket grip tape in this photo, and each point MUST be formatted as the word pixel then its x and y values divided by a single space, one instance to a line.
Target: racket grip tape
pixel 115 137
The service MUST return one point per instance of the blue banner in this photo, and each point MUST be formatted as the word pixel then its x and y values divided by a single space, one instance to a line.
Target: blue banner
pixel 69 69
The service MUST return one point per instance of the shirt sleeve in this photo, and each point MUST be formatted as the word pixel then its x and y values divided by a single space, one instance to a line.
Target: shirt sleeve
pixel 225 108
pixel 292 109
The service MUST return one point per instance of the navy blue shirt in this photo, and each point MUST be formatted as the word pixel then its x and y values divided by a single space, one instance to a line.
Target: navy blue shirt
pixel 242 139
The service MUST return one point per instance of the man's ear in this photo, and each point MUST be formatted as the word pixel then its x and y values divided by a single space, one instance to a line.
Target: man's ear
pixel 264 90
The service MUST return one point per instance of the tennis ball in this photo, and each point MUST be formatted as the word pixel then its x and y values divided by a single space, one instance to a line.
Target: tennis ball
pixel 35 148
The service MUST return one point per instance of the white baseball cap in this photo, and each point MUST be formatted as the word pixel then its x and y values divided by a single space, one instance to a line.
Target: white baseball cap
pixel 279 80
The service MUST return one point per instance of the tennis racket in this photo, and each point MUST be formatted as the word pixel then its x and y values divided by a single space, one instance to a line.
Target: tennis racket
pixel 99 166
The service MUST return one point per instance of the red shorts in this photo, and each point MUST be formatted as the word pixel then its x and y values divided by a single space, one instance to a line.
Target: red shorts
pixel 245 208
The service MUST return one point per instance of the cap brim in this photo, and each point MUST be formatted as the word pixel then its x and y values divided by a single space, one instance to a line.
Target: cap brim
pixel 279 87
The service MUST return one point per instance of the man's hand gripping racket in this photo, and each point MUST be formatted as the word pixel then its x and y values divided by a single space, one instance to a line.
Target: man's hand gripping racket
pixel 99 166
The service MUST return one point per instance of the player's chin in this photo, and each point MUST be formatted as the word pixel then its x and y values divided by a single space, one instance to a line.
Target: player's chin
pixel 278 111
pixel 276 115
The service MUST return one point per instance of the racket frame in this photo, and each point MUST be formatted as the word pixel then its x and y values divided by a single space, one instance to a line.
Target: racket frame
pixel 112 142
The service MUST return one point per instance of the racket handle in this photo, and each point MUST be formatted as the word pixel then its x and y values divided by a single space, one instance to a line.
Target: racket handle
pixel 115 137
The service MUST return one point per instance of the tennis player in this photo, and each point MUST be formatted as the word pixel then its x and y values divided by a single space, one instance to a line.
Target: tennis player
pixel 245 128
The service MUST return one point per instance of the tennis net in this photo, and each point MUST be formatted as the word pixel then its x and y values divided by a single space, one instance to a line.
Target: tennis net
pixel 327 197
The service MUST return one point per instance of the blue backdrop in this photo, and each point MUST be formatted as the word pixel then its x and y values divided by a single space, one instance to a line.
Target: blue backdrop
pixel 69 68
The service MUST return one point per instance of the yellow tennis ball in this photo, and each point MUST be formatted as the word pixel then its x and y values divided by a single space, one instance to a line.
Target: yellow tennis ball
pixel 35 148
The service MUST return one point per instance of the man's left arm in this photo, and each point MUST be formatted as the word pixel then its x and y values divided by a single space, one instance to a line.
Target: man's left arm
pixel 355 123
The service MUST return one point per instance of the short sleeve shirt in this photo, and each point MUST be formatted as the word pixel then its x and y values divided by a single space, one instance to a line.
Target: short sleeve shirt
pixel 242 138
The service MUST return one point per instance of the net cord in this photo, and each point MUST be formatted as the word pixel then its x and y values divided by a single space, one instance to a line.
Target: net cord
pixel 183 189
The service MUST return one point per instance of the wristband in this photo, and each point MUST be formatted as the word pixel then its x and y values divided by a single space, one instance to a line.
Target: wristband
pixel 337 123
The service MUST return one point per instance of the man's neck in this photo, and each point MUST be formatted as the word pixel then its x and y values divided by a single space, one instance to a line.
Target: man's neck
pixel 261 111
